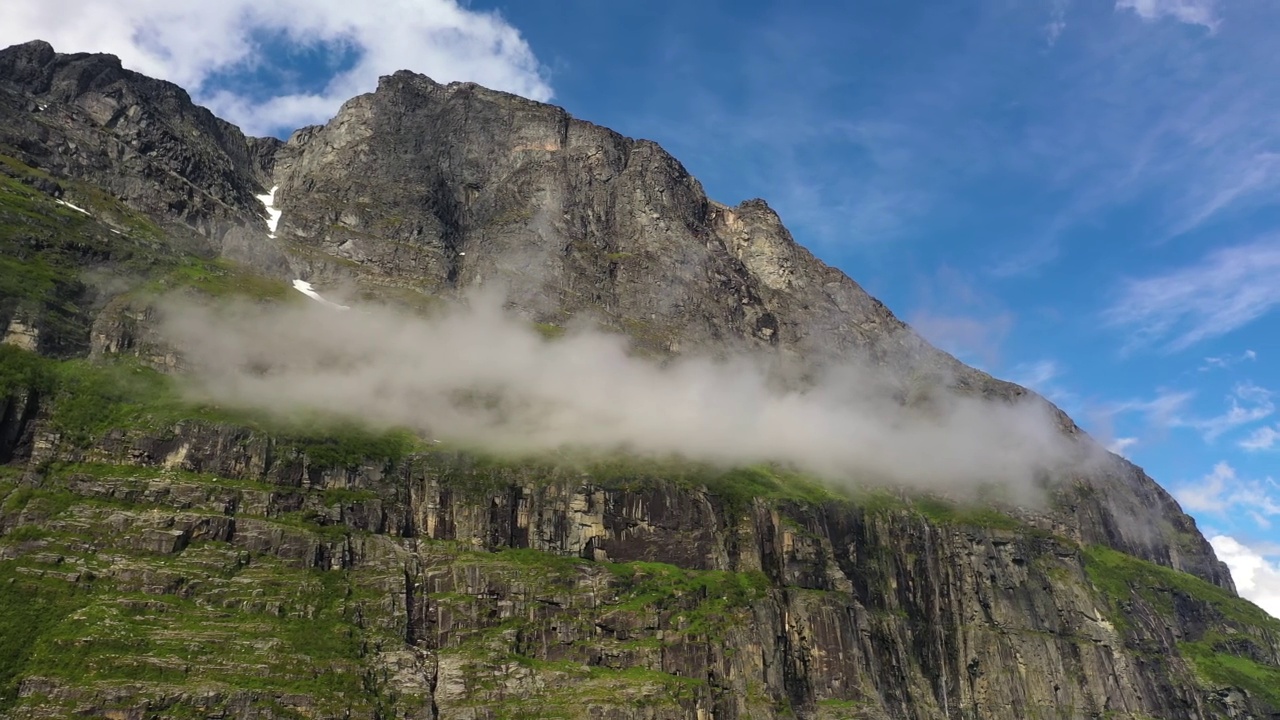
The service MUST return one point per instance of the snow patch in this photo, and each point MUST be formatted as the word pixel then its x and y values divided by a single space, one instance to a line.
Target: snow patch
pixel 273 215
pixel 73 207
pixel 305 288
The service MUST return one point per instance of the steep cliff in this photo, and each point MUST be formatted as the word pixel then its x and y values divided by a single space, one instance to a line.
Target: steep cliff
pixel 168 560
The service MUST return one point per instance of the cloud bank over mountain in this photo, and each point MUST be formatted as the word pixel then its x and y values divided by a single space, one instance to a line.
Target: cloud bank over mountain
pixel 474 374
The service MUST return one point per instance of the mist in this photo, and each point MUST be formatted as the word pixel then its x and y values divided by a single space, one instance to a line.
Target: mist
pixel 475 375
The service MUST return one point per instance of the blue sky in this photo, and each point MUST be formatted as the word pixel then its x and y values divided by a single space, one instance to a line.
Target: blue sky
pixel 1079 195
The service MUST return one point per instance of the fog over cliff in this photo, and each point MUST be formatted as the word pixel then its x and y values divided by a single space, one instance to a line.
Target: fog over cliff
pixel 474 374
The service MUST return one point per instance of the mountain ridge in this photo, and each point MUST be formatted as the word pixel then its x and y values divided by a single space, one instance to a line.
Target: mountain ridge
pixel 428 249
pixel 429 189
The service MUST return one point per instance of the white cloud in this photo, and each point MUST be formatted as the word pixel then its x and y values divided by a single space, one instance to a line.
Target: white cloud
pixel 1247 403
pixel 1057 20
pixel 1223 491
pixel 1043 376
pixel 1166 409
pixel 1036 376
pixel 1119 445
pixel 1264 438
pixel 975 340
pixel 1254 569
pixel 1192 12
pixel 1256 405
pixel 188 41
pixel 1238 180
pixel 1227 290
pixel 1221 362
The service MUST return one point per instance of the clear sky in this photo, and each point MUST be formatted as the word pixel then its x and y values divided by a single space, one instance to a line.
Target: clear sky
pixel 1082 196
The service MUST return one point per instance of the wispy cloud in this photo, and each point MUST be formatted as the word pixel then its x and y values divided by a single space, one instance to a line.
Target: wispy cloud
pixel 1184 145
pixel 961 316
pixel 1225 291
pixel 1263 438
pixel 1237 181
pixel 1127 111
pixel 1044 376
pixel 1192 12
pixel 1247 404
pixel 1223 491
pixel 1221 362
pixel 976 340
pixel 1057 20
pixel 189 42
pixel 1120 445
pixel 1171 409
pixel 1036 375
pixel 1167 409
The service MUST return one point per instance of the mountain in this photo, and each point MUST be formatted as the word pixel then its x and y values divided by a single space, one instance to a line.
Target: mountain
pixel 164 558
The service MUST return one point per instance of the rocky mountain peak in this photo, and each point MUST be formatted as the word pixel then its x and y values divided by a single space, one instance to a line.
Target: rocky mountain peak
pixel 446 187
pixel 440 584
pixel 29 65
pixel 84 115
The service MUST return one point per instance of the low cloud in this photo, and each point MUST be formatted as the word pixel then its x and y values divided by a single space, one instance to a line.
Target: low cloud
pixel 191 43
pixel 475 375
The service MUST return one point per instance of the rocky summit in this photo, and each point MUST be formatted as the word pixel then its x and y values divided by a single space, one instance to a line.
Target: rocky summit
pixel 167 558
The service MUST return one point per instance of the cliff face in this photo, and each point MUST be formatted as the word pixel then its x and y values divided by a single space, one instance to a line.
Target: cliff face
pixel 161 565
pixel 446 586
pixel 140 139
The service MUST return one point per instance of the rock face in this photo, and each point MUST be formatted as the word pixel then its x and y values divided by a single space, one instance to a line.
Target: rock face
pixel 475 590
pixel 439 586
pixel 143 140
pixel 454 186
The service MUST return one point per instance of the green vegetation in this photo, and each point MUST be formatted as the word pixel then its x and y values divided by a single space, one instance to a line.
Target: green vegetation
pixel 338 444
pixel 708 601
pixel 84 635
pixel 736 488
pixel 1119 576
pixel 844 709
pixel 44 501
pixel 50 254
pixel 941 512
pixel 21 371
pixel 42 245
pixel 549 331
pixel 91 398
pixel 1226 669
pixel 29 607
pixel 739 487
pixel 221 278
